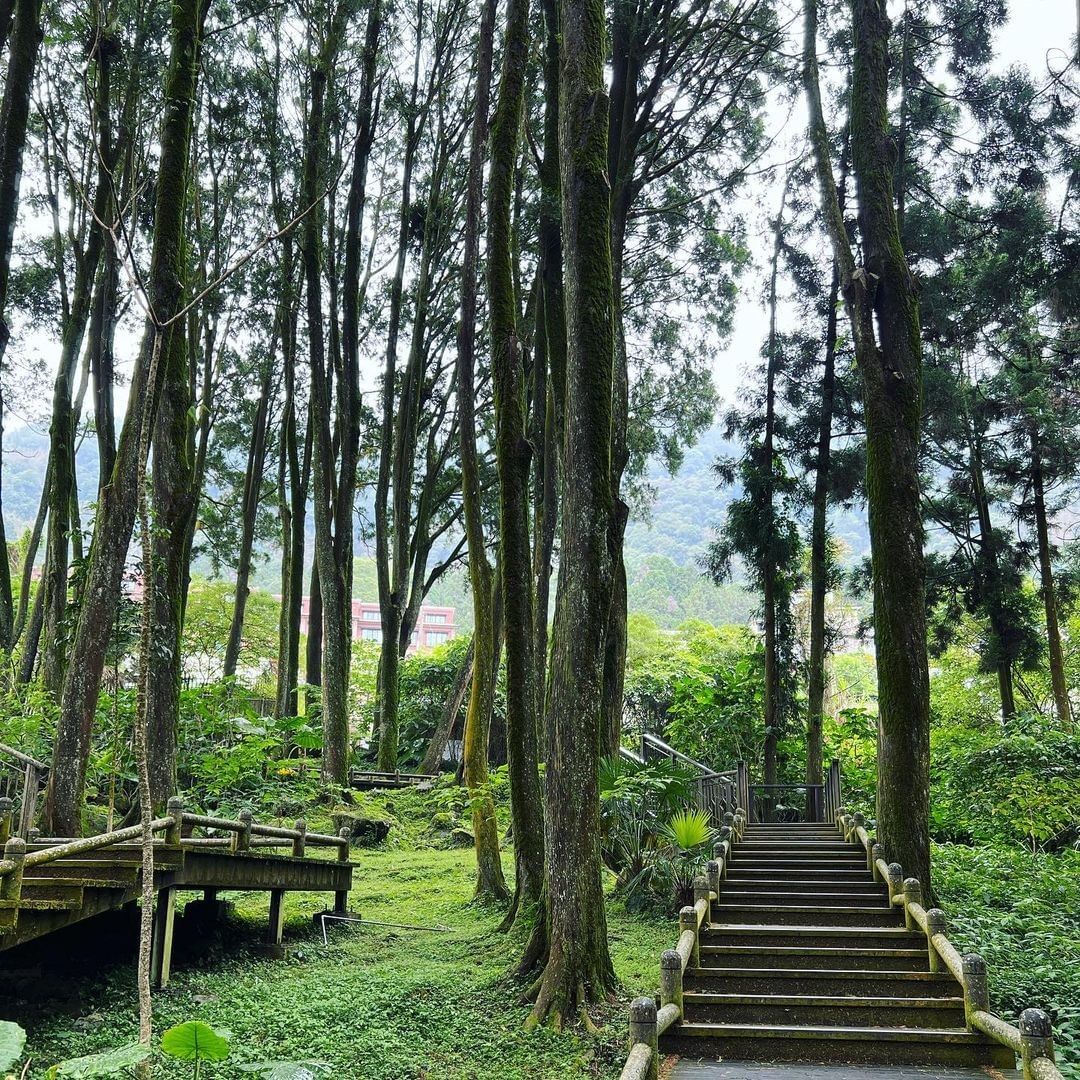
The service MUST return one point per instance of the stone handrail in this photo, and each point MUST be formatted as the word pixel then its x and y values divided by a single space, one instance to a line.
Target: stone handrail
pixel 647 1022
pixel 1033 1039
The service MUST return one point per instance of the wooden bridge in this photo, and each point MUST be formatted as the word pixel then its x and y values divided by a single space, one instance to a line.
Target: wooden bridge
pixel 50 883
pixel 805 945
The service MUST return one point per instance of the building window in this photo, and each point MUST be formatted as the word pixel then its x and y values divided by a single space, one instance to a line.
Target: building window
pixel 372 633
pixel 371 616
pixel 437 637
pixel 435 617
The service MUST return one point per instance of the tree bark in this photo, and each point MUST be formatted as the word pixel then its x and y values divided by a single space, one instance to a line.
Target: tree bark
pixel 1062 703
pixel 513 456
pixel 25 38
pixel 119 498
pixel 578 967
pixel 882 303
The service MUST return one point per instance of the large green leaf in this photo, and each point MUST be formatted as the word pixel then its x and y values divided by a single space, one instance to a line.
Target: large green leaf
pixel 107 1063
pixel 12 1041
pixel 195 1041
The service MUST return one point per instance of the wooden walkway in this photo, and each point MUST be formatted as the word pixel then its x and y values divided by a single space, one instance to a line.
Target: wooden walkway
pixel 48 884
pixel 712 1070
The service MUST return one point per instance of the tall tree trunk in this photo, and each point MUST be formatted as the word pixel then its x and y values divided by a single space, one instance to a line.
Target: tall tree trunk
pixel 119 499
pixel 26 585
pixel 62 490
pixel 249 509
pixel 513 454
pixel 578 967
pixel 882 302
pixel 391 580
pixel 451 710
pixel 820 559
pixel 14 111
pixel 1062 703
pixel 490 883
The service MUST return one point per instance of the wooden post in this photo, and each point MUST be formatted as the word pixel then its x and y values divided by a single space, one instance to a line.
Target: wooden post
pixel 11 882
pixel 175 831
pixel 702 892
pixel 935 924
pixel 643 1030
pixel 5 820
pixel 976 987
pixel 912 895
pixel 242 839
pixel 31 780
pixel 341 897
pixel 688 921
pixel 1036 1039
pixel 299 844
pixel 276 924
pixel 161 946
pixel 671 979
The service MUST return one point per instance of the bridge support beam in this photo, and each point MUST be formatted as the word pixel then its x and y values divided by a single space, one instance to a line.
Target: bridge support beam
pixel 162 943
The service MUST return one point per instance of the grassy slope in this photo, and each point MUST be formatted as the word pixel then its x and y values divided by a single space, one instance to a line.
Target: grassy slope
pixel 377 1003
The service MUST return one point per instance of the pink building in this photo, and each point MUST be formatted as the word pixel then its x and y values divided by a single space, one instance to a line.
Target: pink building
pixel 434 625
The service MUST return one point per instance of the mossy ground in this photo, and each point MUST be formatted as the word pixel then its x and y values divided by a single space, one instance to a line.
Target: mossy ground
pixel 376 1003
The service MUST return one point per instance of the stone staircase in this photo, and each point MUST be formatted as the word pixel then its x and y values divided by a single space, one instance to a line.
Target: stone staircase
pixel 804 959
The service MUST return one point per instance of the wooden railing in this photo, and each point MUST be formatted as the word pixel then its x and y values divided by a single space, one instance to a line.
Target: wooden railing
pixel 647 1022
pixel 23 780
pixel 244 834
pixel 715 792
pixel 1033 1039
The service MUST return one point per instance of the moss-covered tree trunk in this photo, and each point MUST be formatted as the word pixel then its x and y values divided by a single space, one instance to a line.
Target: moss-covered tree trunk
pixel 490 883
pixel 882 303
pixel 578 967
pixel 23 43
pixel 1062 704
pixel 819 545
pixel 513 456
pixel 119 497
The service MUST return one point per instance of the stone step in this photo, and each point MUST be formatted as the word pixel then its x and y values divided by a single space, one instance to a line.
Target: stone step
pixel 787 876
pixel 816 1009
pixel 828 982
pixel 801 864
pixel 810 957
pixel 815 915
pixel 869 1045
pixel 868 937
pixel 834 897
pixel 764 886
pixel 794 844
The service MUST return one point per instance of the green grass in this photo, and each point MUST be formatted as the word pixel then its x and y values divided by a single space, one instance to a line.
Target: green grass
pixel 376 1003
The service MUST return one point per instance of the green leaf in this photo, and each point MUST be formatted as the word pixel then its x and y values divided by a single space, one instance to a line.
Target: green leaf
pixel 107 1063
pixel 286 1070
pixel 12 1041
pixel 195 1041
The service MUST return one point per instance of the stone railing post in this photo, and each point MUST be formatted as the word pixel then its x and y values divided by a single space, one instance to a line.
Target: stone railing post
pixel 11 882
pixel 643 1030
pixel 688 921
pixel 242 839
pixel 896 880
pixel 175 829
pixel 912 895
pixel 976 987
pixel 701 892
pixel 1036 1039
pixel 876 852
pixel 712 872
pixel 299 844
pixel 671 979
pixel 935 924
